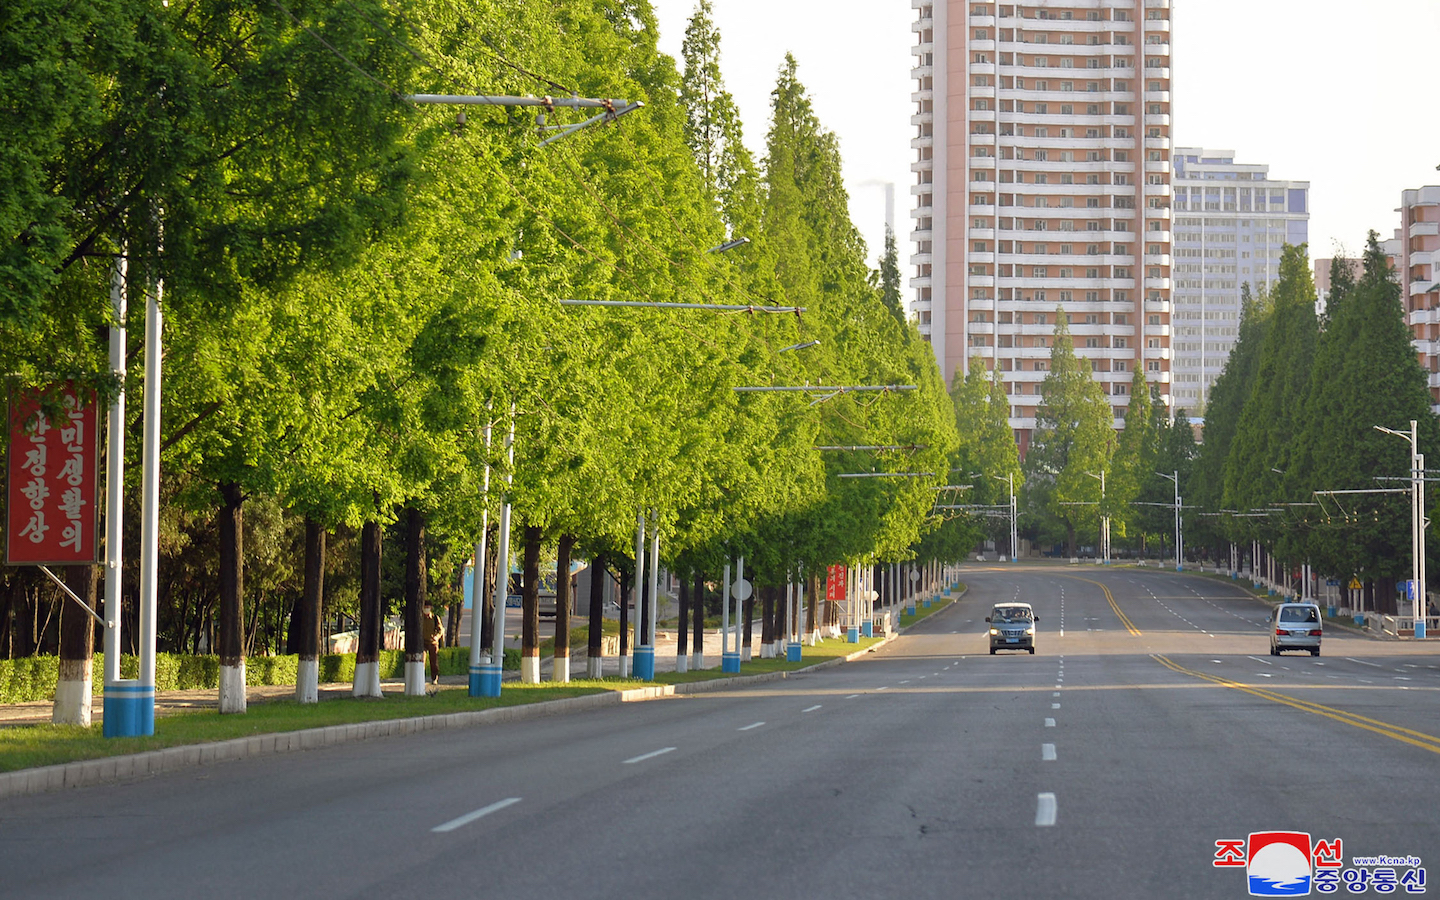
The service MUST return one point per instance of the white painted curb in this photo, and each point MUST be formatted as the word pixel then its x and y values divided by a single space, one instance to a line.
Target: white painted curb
pixel 153 762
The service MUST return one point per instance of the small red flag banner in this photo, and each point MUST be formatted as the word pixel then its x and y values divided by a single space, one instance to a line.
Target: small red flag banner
pixel 52 478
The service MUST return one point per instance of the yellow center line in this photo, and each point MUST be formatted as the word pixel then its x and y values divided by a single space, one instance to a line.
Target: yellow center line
pixel 1124 619
pixel 1394 732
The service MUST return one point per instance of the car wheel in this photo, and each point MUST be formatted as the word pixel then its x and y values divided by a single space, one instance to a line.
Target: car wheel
pixel 1315 652
pixel 1032 651
pixel 992 651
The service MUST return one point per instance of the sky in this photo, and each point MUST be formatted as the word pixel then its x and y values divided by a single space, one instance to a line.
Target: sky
pixel 1343 95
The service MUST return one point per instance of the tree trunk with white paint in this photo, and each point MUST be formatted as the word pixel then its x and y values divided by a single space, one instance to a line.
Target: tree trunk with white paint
pixel 682 635
pixel 595 644
pixel 307 677
pixel 625 590
pixel 232 592
pixel 748 628
pixel 812 608
pixel 530 609
pixel 77 651
pixel 767 621
pixel 367 651
pixel 560 667
pixel 415 577
pixel 697 647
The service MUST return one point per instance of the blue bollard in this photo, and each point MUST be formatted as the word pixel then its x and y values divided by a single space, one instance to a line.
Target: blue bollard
pixel 852 635
pixel 730 662
pixel 910 610
pixel 867 629
pixel 129 710
pixel 489 682
pixel 645 663
pixel 792 652
pixel 1419 629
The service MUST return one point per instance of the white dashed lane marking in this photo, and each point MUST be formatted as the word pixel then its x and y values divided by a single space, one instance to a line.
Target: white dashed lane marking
pixel 1045 810
pixel 1047 752
pixel 477 814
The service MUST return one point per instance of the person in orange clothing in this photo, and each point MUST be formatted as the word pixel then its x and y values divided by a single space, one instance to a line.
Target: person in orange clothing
pixel 434 631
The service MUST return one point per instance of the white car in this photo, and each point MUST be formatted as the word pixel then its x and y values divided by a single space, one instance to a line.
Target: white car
pixel 1295 626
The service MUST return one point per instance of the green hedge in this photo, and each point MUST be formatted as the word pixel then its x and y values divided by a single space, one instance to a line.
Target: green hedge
pixel 33 677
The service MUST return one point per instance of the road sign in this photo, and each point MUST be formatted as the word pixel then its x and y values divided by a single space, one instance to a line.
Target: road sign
pixel 53 479
pixel 1354 584
pixel 741 590
pixel 835 583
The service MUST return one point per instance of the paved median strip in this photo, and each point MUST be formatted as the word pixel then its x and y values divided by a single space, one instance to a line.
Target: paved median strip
pixel 480 813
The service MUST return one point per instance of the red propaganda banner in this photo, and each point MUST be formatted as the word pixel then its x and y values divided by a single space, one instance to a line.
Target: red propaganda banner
pixel 835 583
pixel 52 480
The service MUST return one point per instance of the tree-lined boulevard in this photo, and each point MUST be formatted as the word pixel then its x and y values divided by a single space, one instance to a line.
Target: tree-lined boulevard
pixel 934 768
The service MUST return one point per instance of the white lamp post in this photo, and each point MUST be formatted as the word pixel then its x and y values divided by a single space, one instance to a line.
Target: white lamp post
pixel 1417 522
pixel 1179 545
pixel 1104 520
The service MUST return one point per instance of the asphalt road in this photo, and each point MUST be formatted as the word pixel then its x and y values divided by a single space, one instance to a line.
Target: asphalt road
pixel 1149 724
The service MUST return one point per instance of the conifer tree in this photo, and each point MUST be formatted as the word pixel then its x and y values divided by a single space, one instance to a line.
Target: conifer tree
pixel 1222 417
pixel 1073 438
pixel 1265 443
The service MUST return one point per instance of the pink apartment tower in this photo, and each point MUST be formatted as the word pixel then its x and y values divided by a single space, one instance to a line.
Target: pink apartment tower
pixel 1043 182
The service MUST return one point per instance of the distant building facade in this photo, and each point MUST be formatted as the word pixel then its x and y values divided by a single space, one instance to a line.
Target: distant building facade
pixel 1042 161
pixel 1416 258
pixel 1231 221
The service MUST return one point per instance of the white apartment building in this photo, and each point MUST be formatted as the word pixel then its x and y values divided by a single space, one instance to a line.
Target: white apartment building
pixel 1231 221
pixel 1043 180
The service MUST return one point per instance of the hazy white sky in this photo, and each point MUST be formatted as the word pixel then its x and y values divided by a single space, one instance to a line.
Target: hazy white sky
pixel 1343 95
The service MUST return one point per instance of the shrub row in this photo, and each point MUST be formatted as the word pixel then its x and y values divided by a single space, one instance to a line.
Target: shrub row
pixel 33 677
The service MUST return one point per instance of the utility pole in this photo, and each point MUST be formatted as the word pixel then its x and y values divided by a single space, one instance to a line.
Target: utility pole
pixel 1417 522
pixel 1179 539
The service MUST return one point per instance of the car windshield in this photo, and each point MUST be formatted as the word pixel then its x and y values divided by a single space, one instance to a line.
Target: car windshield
pixel 1299 614
pixel 1010 614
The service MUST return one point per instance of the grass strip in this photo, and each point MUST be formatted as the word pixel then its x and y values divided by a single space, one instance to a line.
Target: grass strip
pixel 823 651
pixel 27 746
pixel 921 612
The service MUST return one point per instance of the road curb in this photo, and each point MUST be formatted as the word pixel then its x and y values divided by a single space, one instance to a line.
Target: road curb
pixel 131 767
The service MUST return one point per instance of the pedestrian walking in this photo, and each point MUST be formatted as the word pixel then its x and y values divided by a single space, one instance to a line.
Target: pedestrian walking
pixel 434 631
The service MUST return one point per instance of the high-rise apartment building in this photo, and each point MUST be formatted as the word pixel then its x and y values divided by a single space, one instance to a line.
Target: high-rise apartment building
pixel 1231 221
pixel 1042 182
pixel 1417 268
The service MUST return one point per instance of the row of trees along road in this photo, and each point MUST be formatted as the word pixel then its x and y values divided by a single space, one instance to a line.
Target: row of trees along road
pixel 356 286
pixel 1292 416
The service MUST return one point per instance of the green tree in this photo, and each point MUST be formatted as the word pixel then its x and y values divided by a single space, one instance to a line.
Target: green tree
pixel 1366 374
pixel 890 276
pixel 1134 460
pixel 1265 443
pixel 1073 437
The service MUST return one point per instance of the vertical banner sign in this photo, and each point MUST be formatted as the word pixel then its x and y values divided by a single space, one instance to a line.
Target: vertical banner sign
pixel 52 477
pixel 835 584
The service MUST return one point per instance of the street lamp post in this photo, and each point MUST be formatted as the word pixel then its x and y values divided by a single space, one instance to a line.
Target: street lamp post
pixel 1179 538
pixel 1417 522
pixel 1104 520
pixel 1014 537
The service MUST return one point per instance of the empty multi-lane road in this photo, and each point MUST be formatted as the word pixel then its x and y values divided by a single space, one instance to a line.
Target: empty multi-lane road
pixel 1149 724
